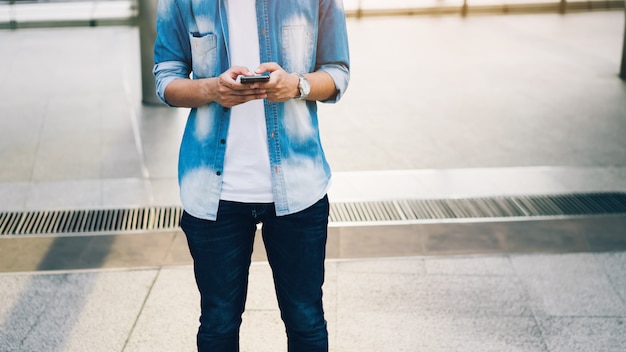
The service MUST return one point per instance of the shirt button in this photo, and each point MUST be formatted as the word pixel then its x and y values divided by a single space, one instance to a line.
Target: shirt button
pixel 225 109
pixel 218 173
pixel 222 141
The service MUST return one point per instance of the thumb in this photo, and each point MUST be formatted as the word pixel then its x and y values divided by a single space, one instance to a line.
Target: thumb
pixel 267 67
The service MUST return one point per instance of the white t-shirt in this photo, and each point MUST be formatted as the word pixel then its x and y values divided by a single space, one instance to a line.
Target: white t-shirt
pixel 247 170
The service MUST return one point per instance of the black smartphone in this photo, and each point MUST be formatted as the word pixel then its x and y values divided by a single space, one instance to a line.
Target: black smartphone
pixel 253 79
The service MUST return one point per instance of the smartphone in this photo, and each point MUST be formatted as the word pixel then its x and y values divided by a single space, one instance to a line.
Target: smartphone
pixel 253 79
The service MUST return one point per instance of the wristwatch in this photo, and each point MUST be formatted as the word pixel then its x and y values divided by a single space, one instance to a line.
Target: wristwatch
pixel 304 87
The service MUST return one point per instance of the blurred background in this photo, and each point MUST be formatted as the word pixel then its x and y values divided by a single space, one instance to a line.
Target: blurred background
pixel 478 197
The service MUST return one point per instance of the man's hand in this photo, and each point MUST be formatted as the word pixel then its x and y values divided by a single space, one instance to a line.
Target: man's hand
pixel 228 92
pixel 282 86
pixel 224 90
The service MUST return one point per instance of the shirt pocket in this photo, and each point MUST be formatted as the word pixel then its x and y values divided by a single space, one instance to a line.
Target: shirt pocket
pixel 297 46
pixel 203 54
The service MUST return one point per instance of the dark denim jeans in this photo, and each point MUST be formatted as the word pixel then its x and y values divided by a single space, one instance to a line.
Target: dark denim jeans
pixel 296 249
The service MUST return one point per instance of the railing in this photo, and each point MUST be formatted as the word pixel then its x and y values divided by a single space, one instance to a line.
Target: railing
pixel 361 8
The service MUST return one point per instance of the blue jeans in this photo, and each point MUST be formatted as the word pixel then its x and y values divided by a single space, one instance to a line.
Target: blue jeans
pixel 296 249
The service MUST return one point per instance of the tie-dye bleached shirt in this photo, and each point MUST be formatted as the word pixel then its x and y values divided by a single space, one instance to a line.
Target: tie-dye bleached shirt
pixel 301 36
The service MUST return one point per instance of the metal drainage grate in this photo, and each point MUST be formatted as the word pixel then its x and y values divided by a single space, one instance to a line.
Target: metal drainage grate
pixel 85 221
pixel 476 208
pixel 167 218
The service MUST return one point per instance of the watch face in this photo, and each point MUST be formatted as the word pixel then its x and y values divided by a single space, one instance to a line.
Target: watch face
pixel 305 87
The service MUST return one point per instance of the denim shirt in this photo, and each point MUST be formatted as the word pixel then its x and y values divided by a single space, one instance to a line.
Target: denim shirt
pixel 301 36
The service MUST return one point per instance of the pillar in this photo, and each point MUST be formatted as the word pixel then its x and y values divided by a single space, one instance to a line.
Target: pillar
pixel 147 37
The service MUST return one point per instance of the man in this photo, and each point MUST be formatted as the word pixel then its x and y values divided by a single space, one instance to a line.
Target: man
pixel 251 152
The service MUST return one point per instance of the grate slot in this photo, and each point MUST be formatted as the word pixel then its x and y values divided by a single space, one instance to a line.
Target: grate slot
pixel 597 203
pixel 508 207
pixel 130 220
pixel 391 211
pixel 83 221
pixel 614 203
pixel 529 206
pixel 486 208
pixel 164 218
pixel 363 211
pixel 151 219
pixel 444 210
pixel 342 213
pixel 463 209
pixel 21 221
pixel 41 223
pixel 26 224
pixel 547 206
pixel 5 222
pixel 53 219
pixel 571 205
pixel 428 209
pixel 110 220
pixel 413 210
pixel 358 212
pixel 63 222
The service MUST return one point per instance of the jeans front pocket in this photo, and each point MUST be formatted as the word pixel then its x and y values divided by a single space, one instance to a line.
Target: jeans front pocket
pixel 203 54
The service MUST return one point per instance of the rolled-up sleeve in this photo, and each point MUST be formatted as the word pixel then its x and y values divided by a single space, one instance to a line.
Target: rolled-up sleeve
pixel 333 54
pixel 341 76
pixel 172 52
pixel 165 73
